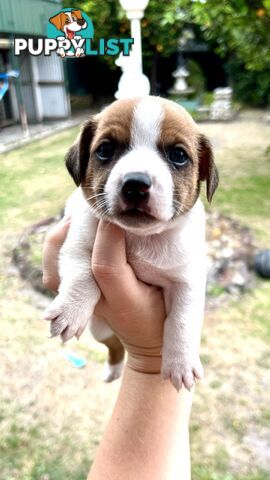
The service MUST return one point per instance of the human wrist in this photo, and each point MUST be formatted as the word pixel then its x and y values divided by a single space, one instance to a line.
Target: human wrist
pixel 144 360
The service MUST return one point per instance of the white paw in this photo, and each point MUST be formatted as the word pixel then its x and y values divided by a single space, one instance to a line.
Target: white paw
pixel 61 52
pixel 181 370
pixel 68 317
pixel 79 52
pixel 112 372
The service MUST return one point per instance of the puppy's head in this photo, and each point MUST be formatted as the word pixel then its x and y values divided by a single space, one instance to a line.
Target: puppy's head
pixel 140 163
pixel 69 22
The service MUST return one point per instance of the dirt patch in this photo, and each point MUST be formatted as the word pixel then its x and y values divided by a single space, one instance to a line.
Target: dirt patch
pixel 230 244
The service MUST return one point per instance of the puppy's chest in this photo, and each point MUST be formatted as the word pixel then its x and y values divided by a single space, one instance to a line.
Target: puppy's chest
pixel 156 259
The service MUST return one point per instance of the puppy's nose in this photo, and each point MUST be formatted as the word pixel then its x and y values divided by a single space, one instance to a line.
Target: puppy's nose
pixel 136 187
pixel 80 21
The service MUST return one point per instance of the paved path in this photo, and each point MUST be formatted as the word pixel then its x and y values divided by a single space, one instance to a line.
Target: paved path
pixel 14 137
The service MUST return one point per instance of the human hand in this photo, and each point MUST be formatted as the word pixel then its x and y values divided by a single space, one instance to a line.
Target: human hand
pixel 52 245
pixel 134 310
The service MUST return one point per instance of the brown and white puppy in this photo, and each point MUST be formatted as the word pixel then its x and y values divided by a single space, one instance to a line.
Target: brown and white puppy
pixel 139 164
pixel 70 23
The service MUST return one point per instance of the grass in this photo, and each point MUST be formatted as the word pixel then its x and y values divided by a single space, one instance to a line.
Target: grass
pixel 52 416
pixel 34 182
pixel 245 186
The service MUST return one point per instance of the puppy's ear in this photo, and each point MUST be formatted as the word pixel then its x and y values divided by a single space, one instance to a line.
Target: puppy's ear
pixel 77 13
pixel 207 168
pixel 77 157
pixel 57 20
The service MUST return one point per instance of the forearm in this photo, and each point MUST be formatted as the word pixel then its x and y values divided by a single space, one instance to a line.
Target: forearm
pixel 147 435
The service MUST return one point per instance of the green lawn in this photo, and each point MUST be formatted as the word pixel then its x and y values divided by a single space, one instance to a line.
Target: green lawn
pixel 34 181
pixel 52 417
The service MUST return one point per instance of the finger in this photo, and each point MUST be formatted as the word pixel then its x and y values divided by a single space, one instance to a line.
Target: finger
pixel 58 233
pixel 51 248
pixel 109 263
pixel 110 246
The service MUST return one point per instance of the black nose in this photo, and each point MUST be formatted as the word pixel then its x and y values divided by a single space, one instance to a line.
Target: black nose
pixel 136 187
pixel 80 21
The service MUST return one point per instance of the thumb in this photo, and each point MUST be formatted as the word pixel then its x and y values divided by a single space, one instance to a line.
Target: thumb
pixel 109 262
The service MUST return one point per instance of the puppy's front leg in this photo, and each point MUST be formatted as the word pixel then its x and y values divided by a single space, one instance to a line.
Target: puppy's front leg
pixel 78 294
pixel 180 355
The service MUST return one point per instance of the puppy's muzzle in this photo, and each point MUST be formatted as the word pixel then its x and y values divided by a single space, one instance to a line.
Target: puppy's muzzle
pixel 135 189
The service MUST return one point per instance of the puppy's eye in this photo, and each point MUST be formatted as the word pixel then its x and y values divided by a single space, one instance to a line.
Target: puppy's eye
pixel 178 156
pixel 105 151
pixel 67 20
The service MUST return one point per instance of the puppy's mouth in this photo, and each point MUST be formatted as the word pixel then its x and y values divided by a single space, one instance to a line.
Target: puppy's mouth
pixel 70 34
pixel 136 216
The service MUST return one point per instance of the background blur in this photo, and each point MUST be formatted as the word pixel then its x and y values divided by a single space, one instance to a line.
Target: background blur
pixel 52 414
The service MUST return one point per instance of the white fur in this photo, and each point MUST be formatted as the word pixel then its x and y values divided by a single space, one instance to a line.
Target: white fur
pixel 112 372
pixel 171 255
pixel 146 124
pixel 143 160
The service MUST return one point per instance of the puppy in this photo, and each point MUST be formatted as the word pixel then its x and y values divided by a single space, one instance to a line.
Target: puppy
pixel 70 23
pixel 139 164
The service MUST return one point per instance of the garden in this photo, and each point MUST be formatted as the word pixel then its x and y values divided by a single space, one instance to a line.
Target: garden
pixel 52 414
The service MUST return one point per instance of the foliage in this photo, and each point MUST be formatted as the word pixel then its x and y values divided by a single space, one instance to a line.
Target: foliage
pixel 249 86
pixel 237 29
pixel 240 26
pixel 240 30
pixel 234 25
pixel 161 25
pixel 196 77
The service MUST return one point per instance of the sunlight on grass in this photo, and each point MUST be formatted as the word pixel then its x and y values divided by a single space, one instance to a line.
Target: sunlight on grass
pixel 244 189
pixel 34 181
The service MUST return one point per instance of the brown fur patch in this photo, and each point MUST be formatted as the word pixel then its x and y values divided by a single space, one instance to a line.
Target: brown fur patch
pixel 207 168
pixel 116 349
pixel 114 123
pixel 179 128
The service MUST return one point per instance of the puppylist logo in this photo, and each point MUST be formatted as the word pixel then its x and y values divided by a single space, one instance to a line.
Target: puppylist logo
pixel 70 33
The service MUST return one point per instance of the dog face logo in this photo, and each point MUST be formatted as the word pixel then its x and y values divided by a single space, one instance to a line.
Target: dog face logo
pixel 69 23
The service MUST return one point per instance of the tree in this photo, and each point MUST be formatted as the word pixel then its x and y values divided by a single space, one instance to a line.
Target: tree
pixel 237 30
pixel 239 27
pixel 161 25
pixel 240 30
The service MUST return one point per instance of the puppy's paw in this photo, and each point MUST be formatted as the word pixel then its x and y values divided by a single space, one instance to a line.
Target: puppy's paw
pixel 181 370
pixel 79 52
pixel 61 52
pixel 68 317
pixel 112 372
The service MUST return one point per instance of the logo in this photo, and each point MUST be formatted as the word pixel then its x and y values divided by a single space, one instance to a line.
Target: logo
pixel 70 33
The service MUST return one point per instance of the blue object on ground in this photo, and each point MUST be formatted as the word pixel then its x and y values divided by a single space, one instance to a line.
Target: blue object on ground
pixel 75 360
pixel 4 81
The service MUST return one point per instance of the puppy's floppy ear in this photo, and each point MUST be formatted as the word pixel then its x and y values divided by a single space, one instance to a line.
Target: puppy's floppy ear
pixel 57 20
pixel 77 13
pixel 77 157
pixel 207 168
